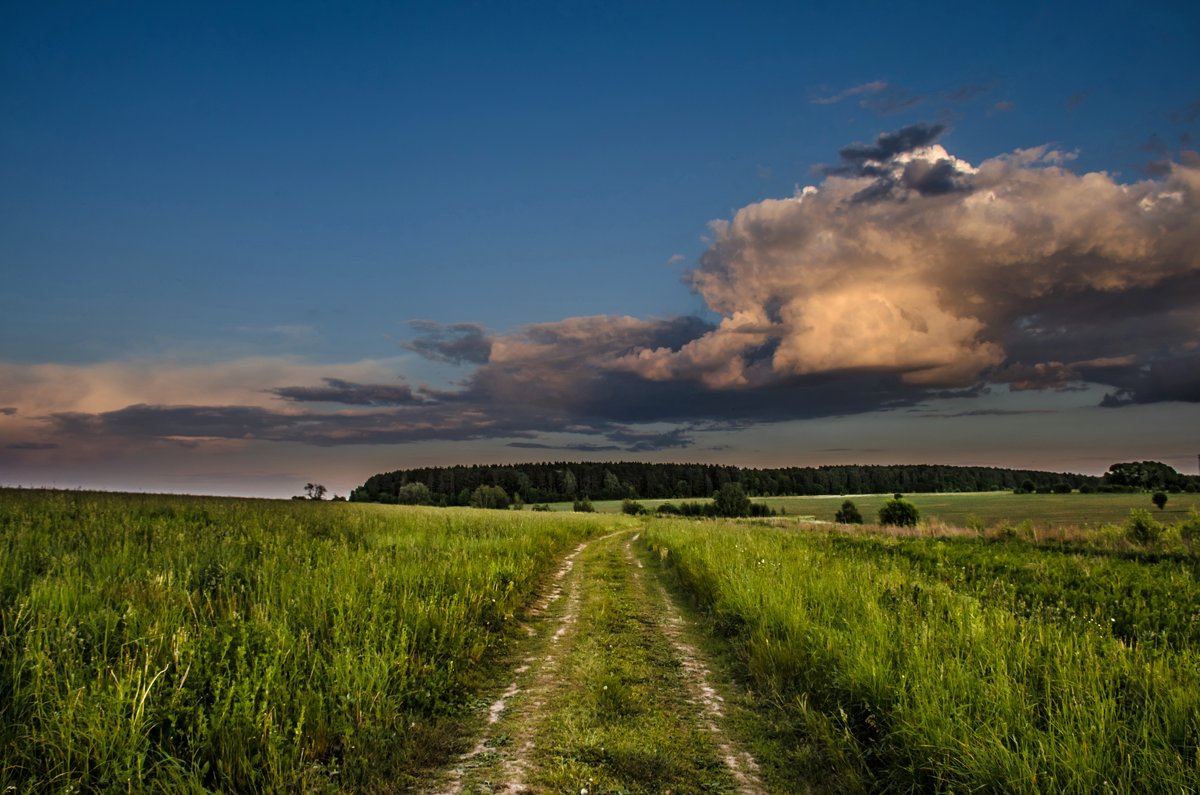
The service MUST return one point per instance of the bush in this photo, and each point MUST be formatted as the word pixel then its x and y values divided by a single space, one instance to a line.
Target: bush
pixel 1189 529
pixel 489 497
pixel 900 513
pixel 1062 488
pixel 1140 528
pixel 414 494
pixel 848 514
pixel 583 505
pixel 1159 499
pixel 668 509
pixel 731 500
pixel 633 508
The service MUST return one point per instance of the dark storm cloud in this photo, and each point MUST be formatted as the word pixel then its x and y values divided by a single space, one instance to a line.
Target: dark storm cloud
pixel 33 446
pixel 8 411
pixel 459 343
pixel 887 145
pixel 337 390
pixel 1176 379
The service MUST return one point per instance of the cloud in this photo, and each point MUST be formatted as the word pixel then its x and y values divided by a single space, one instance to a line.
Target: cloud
pixel 909 261
pixel 337 390
pixel 459 343
pixel 907 274
pixel 8 411
pixel 32 446
pixel 1003 106
pixel 873 87
pixel 878 95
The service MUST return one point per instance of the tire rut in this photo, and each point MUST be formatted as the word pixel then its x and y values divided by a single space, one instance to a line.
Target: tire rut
pixel 698 679
pixel 534 678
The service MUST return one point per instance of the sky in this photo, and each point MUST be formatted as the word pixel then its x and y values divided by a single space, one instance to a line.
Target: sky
pixel 246 246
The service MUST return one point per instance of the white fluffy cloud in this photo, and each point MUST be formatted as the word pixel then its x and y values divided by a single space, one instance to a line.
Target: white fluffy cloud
pixel 917 263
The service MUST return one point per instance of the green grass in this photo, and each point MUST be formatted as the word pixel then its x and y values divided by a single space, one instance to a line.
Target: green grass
pixel 988 508
pixel 621 720
pixel 911 676
pixel 999 507
pixel 157 643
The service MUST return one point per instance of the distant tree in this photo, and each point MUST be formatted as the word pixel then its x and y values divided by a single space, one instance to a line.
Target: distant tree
pixel 731 500
pixel 900 513
pixel 1087 488
pixel 414 494
pixel 1027 487
pixel 315 491
pixel 1062 488
pixel 848 514
pixel 489 497
pixel 1159 499
pixel 583 505
pixel 569 484
pixel 1145 475
pixel 897 496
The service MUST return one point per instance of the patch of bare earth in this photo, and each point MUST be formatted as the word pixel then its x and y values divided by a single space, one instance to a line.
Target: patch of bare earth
pixel 698 681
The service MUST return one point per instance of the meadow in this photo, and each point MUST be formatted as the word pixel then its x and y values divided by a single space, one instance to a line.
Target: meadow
pixel 154 644
pixel 988 509
pixel 969 663
pixel 190 644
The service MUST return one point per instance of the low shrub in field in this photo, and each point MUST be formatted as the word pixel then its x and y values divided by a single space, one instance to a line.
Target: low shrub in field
pixel 899 513
pixel 1189 529
pixel 848 514
pixel 633 508
pixel 1140 528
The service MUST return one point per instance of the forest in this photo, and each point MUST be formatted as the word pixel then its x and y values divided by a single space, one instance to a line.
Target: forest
pixel 563 481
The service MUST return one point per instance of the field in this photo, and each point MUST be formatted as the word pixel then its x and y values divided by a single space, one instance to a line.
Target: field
pixel 987 508
pixel 237 645
pixel 211 645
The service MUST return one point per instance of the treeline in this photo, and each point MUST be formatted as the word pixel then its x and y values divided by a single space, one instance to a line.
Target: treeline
pixel 567 481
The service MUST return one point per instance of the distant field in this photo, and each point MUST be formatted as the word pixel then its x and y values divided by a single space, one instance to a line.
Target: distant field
pixel 990 508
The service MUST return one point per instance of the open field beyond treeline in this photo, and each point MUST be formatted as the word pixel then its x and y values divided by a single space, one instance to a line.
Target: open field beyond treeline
pixel 990 508
pixel 175 644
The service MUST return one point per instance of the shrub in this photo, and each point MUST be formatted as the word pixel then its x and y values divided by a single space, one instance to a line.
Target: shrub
pixel 583 505
pixel 1062 488
pixel 1159 499
pixel 900 513
pixel 1140 528
pixel 731 500
pixel 633 508
pixel 848 514
pixel 1189 529
pixel 540 507
pixel 668 508
pixel 489 497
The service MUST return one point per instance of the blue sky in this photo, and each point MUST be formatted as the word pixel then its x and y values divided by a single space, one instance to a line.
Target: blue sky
pixel 207 210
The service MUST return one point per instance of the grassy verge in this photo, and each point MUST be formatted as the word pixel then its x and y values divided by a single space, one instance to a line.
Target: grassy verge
pixel 906 682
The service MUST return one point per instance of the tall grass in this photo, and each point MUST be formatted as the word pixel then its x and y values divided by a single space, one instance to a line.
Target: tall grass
pixel 913 683
pixel 153 643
